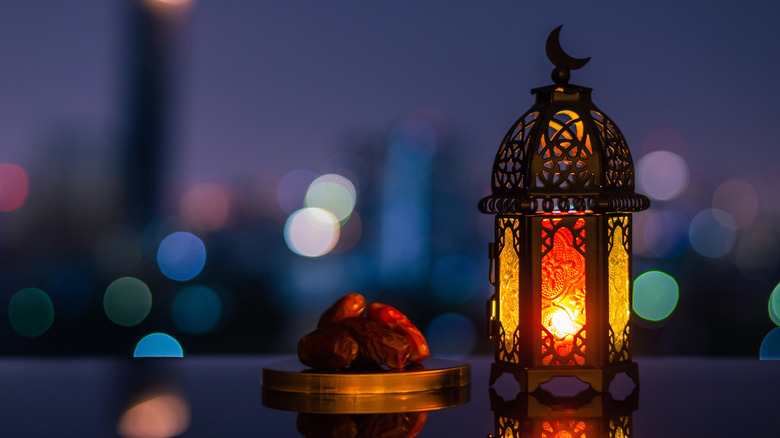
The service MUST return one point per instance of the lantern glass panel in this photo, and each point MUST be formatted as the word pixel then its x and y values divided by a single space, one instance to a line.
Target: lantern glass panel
pixel 508 291
pixel 563 292
pixel 620 427
pixel 619 288
pixel 565 429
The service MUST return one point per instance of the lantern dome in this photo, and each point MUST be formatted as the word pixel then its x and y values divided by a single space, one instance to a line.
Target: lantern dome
pixel 563 154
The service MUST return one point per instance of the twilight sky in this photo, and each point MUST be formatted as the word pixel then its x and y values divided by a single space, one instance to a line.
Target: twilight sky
pixel 269 86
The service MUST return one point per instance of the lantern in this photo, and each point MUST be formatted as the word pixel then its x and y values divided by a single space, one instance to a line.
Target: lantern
pixel 547 416
pixel 562 192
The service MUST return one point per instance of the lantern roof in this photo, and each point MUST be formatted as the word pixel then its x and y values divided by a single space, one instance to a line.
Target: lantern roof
pixel 564 154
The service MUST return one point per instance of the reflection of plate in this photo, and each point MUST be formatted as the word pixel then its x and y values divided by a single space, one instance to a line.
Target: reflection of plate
pixel 366 403
pixel 290 386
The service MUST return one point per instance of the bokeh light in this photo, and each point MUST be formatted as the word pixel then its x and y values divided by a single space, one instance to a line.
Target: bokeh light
pixel 770 346
pixel 172 2
pixel 181 256
pixel 158 416
pixel 665 234
pixel 655 295
pixel 451 336
pixel 292 188
pixel 158 345
pixel 311 232
pixel 31 312
pixel 333 193
pixel 662 175
pixel 739 199
pixel 774 305
pixel 712 233
pixel 196 309
pixel 204 207
pixel 70 293
pixel 456 278
pixel 14 187
pixel 127 301
pixel 406 199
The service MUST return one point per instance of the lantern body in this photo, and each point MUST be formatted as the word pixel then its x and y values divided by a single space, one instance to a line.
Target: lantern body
pixel 591 416
pixel 562 196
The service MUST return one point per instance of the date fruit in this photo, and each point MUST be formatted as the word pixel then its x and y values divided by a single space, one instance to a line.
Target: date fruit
pixel 378 343
pixel 391 318
pixel 392 425
pixel 329 347
pixel 346 307
pixel 326 425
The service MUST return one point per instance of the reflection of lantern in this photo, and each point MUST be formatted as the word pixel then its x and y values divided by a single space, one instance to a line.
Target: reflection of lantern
pixel 590 416
pixel 563 193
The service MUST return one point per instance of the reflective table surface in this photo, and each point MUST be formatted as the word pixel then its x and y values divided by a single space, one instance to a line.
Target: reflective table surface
pixel 222 396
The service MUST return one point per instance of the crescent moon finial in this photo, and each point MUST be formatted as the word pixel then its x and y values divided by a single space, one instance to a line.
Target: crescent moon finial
pixel 562 61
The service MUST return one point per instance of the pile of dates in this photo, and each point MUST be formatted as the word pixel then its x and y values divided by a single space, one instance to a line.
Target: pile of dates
pixel 345 337
pixel 391 425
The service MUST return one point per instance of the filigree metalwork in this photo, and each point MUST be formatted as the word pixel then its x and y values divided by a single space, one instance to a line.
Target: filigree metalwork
pixel 563 155
pixel 563 167
pixel 619 173
pixel 566 155
pixel 509 168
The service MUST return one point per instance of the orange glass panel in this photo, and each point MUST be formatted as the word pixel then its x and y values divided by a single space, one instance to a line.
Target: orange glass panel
pixel 508 290
pixel 563 293
pixel 564 429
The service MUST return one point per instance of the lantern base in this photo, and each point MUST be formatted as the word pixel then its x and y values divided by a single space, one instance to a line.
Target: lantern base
pixel 530 378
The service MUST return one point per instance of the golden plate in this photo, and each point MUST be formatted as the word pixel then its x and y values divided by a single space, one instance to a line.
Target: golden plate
pixel 290 386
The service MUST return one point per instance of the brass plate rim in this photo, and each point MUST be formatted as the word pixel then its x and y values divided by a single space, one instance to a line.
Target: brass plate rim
pixel 449 375
pixel 366 403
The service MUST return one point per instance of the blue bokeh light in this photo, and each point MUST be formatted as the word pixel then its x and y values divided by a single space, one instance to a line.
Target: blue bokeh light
pixel 158 345
pixel 770 346
pixel 181 256
pixel 405 224
pixel 712 232
pixel 196 309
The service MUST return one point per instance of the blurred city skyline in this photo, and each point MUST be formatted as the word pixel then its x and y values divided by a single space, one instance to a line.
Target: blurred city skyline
pixel 408 103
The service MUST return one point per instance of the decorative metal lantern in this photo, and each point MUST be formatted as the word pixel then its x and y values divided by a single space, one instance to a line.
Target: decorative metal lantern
pixel 581 416
pixel 562 195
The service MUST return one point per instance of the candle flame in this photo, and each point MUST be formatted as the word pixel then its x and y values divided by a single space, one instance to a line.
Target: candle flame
pixel 561 324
